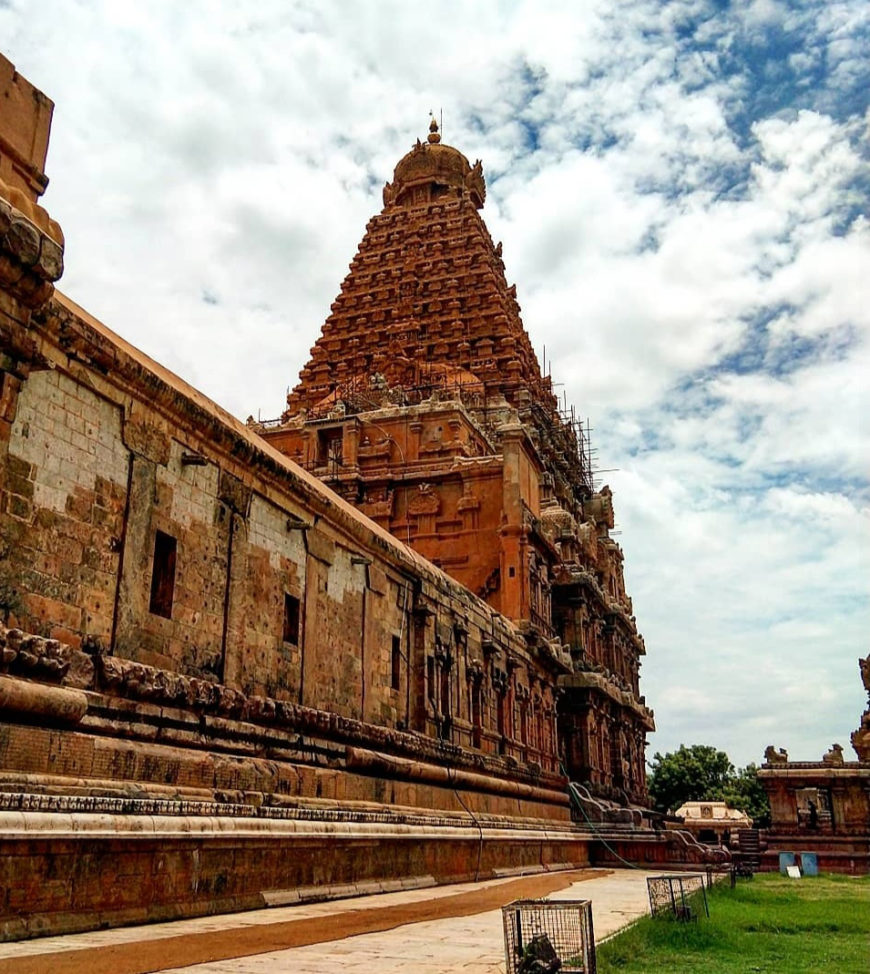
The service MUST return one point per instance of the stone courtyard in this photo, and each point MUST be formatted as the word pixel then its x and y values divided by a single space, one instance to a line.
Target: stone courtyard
pixel 428 931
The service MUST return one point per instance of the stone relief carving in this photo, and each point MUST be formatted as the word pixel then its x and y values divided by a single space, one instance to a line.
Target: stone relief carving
pixel 425 501
pixel 45 659
pixel 378 503
pixel 37 658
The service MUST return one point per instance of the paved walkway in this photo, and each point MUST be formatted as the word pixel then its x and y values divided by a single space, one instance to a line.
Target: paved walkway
pixel 457 929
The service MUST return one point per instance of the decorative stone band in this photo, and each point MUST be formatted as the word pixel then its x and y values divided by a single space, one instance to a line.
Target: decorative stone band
pixel 97 825
pixel 386 766
pixel 18 809
pixel 31 249
pixel 35 657
pixel 37 699
pixel 35 816
pixel 94 685
pixel 817 769
pixel 598 681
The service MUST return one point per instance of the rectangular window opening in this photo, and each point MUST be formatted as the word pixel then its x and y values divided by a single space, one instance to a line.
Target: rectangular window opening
pixel 163 575
pixel 396 664
pixel 330 447
pixel 291 619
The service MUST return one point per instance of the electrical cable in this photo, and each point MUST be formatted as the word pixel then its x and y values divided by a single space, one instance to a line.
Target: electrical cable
pixel 473 818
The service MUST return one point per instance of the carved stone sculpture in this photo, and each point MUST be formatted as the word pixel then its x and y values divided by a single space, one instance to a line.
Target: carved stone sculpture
pixel 834 755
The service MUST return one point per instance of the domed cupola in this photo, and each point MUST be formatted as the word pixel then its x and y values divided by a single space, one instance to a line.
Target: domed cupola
pixel 432 170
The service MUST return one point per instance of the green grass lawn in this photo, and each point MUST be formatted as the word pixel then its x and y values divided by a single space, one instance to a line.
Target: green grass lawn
pixel 769 923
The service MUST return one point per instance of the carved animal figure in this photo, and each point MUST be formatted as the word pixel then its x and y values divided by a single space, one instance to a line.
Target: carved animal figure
pixel 834 755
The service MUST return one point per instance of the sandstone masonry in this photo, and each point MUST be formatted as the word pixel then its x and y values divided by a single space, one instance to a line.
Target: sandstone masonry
pixel 222 685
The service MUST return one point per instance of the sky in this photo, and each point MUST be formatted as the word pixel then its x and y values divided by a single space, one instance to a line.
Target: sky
pixel 682 193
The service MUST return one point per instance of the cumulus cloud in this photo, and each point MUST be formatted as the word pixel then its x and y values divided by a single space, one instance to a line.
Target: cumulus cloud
pixel 680 190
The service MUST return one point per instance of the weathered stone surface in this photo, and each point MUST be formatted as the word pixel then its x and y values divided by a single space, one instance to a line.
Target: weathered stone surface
pixel 31 246
pixel 147 441
pixel 72 876
pixel 319 546
pixel 36 700
pixel 234 493
pixel 23 133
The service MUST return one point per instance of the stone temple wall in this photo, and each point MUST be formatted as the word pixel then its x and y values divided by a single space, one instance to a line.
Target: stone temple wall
pixel 170 737
pixel 221 685
pixel 276 599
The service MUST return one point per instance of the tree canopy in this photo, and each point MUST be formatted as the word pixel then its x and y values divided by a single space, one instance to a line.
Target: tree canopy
pixel 700 772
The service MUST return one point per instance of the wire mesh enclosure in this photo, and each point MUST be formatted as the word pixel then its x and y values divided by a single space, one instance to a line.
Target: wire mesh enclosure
pixel 546 936
pixel 683 897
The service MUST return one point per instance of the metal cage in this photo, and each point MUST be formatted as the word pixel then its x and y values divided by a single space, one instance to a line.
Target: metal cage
pixel 683 897
pixel 546 936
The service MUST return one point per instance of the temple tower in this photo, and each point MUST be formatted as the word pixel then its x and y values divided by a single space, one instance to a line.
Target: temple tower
pixel 423 404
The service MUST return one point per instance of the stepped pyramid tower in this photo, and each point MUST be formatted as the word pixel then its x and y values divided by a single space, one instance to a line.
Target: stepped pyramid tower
pixel 423 404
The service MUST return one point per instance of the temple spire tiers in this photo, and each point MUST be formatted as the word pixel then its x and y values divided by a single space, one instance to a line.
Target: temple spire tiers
pixel 424 404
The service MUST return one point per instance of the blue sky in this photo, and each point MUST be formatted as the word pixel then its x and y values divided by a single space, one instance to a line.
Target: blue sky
pixel 682 193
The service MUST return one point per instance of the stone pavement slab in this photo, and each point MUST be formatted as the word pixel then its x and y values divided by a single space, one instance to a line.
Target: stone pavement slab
pixel 440 943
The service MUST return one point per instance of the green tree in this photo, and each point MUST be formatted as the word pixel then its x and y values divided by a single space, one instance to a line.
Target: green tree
pixel 688 774
pixel 701 772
